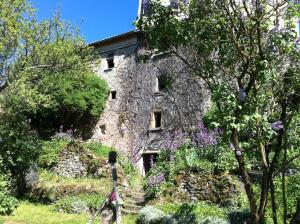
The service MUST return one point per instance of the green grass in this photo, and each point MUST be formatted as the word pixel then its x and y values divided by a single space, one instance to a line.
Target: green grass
pixel 34 213
pixel 29 213
pixel 129 219
pixel 200 209
pixel 52 179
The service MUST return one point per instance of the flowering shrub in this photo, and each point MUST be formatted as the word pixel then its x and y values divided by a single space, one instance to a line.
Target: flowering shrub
pixel 181 151
pixel 156 180
pixel 204 139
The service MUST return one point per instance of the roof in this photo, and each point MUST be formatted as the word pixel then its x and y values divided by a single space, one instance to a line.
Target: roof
pixel 113 39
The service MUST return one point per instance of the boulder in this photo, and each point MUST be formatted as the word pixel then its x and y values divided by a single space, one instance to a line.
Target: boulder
pixel 31 176
pixel 213 220
pixel 150 215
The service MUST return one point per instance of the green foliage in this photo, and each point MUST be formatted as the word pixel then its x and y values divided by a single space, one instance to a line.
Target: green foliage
pixel 79 204
pixel 71 205
pixel 47 82
pixel 200 209
pixel 19 145
pixel 50 99
pixel 225 159
pixel 8 203
pixel 190 159
pixel 50 151
pixel 99 149
pixel 252 72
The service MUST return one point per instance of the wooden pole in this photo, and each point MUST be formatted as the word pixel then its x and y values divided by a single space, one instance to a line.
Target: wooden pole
pixel 112 159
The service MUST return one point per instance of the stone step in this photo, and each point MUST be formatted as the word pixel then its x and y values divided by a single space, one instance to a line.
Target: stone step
pixel 138 198
pixel 133 207
pixel 128 212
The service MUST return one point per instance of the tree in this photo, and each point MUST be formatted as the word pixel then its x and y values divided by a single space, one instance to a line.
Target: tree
pixel 47 83
pixel 247 53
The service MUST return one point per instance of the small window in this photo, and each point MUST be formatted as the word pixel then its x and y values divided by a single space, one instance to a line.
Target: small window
pixel 113 95
pixel 110 61
pixel 157 119
pixel 149 160
pixel 163 83
pixel 103 129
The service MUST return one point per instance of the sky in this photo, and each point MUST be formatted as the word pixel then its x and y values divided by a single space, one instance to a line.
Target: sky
pixel 97 19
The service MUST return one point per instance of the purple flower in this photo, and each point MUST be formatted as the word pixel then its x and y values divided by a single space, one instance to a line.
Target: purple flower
pixel 205 137
pixel 276 126
pixel 238 153
pixel 174 141
pixel 156 180
pixel 242 95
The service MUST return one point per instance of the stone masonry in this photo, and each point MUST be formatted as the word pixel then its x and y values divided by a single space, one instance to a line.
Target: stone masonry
pixel 151 95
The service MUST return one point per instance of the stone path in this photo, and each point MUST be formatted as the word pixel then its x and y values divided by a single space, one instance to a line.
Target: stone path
pixel 133 201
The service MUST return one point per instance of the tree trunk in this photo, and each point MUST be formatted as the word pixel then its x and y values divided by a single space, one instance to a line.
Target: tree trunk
pixel 283 188
pixel 273 202
pixel 246 179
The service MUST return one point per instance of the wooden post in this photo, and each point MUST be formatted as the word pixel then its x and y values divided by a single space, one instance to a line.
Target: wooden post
pixel 112 159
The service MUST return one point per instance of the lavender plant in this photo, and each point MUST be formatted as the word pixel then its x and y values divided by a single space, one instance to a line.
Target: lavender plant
pixel 182 151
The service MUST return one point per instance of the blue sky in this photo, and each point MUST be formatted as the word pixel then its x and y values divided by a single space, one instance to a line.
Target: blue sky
pixel 97 19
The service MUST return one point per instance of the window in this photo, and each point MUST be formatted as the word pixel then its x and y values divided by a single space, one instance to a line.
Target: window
pixel 163 83
pixel 156 120
pixel 113 95
pixel 103 129
pixel 110 60
pixel 149 160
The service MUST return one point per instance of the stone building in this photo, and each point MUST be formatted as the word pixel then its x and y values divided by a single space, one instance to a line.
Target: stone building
pixel 151 95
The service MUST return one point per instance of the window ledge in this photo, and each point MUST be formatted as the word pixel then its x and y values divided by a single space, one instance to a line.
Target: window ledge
pixel 159 93
pixel 108 69
pixel 154 130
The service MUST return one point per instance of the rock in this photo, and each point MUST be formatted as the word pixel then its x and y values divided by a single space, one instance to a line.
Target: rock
pixel 31 176
pixel 213 220
pixel 169 219
pixel 150 215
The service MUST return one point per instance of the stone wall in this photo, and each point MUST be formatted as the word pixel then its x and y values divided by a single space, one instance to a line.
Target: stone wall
pixel 128 118
pixel 75 161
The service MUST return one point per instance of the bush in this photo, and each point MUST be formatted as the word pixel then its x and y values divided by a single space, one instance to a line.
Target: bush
pixel 99 149
pixel 71 205
pixel 7 202
pixel 150 215
pixel 50 152
pixel 79 204
pixel 73 99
